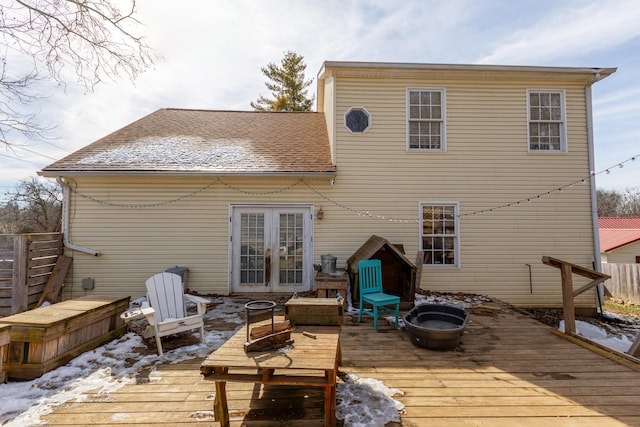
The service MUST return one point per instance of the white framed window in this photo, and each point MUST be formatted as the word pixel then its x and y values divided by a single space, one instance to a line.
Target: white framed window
pixel 357 119
pixel 439 233
pixel 546 119
pixel 426 119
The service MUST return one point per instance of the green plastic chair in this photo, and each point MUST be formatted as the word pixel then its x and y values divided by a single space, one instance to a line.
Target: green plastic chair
pixel 370 290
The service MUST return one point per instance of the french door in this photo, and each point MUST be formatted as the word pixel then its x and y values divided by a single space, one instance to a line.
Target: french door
pixel 271 249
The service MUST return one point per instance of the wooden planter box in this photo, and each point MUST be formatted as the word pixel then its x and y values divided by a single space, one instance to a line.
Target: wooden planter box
pixel 314 311
pixel 48 337
pixel 4 346
pixel 328 285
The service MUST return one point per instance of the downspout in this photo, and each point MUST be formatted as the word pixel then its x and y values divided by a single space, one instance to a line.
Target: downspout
pixel 592 181
pixel 66 222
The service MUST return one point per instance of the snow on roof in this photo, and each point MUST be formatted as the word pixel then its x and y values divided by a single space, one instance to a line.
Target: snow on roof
pixel 207 142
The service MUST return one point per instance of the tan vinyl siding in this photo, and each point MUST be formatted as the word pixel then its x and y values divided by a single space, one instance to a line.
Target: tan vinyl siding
pixel 328 108
pixel 486 165
pixel 378 188
pixel 142 226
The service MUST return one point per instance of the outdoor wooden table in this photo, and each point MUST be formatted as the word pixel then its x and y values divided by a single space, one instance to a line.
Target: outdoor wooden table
pixel 311 361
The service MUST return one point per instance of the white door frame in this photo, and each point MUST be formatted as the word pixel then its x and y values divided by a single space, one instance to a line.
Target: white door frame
pixel 272 212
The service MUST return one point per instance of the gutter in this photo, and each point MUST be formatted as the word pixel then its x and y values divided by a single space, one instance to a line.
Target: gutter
pixel 592 182
pixel 54 173
pixel 66 222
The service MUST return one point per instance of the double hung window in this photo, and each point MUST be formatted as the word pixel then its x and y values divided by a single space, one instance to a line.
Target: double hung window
pixel 439 233
pixel 546 121
pixel 425 119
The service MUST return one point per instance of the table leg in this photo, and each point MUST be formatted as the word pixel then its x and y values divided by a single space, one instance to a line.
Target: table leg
pixel 333 406
pixel 220 407
pixel 329 415
pixel 330 400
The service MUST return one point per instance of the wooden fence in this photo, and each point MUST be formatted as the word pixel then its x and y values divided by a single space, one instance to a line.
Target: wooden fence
pixel 26 262
pixel 624 282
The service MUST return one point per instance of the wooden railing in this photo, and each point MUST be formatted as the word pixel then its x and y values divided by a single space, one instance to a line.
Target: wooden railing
pixel 26 263
pixel 567 270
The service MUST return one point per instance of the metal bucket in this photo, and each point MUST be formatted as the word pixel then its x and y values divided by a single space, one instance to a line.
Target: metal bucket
pixel 328 264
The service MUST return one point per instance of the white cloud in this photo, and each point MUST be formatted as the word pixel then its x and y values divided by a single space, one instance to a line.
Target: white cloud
pixel 213 52
pixel 570 32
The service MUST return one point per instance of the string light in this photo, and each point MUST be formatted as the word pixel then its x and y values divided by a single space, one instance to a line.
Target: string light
pixel 361 213
pixel 357 212
pixel 559 189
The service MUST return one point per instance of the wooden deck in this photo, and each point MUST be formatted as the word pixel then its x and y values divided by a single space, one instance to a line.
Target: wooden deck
pixel 511 371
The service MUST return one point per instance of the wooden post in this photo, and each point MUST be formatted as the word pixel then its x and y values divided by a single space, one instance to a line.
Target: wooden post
pixel 220 405
pixel 20 291
pixel 567 270
pixel 52 289
pixel 567 299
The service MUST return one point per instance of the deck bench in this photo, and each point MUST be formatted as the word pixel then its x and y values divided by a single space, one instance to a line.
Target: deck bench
pixel 4 346
pixel 48 337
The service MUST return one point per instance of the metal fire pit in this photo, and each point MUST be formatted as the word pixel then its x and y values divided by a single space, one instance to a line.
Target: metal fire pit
pixel 259 307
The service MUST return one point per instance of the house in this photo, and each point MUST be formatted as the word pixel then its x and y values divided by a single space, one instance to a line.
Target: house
pixel 483 168
pixel 619 239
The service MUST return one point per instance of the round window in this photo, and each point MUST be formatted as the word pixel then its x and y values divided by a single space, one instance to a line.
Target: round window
pixel 357 119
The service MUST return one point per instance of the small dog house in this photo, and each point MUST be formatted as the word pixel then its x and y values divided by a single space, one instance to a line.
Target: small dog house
pixel 398 272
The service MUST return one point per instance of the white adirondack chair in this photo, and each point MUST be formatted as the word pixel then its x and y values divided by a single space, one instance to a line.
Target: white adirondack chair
pixel 167 313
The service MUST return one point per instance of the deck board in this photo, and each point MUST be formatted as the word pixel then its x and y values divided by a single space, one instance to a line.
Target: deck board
pixel 510 370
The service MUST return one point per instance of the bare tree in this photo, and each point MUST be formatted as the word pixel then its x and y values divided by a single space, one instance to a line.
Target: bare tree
pixel 34 206
pixel 608 202
pixel 615 203
pixel 95 38
pixel 9 218
pixel 631 202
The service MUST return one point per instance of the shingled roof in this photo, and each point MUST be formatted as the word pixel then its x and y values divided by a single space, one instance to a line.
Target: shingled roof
pixel 204 142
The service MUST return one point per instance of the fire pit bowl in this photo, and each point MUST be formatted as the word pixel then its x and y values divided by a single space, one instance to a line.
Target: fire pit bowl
pixel 436 326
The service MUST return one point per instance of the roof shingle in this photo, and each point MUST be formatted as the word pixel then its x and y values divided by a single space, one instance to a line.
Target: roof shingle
pixel 208 142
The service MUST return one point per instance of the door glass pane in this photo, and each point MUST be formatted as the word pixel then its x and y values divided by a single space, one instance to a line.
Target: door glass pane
pixel 291 249
pixel 252 248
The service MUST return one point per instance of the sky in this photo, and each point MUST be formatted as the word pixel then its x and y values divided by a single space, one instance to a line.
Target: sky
pixel 212 52
pixel 362 402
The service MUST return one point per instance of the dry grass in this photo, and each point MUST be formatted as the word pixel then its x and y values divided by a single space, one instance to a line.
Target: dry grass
pixel 619 308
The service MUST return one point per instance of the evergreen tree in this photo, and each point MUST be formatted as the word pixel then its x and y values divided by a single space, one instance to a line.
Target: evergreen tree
pixel 287 85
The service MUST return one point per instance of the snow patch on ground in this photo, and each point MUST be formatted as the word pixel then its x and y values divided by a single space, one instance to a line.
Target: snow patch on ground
pixel 597 334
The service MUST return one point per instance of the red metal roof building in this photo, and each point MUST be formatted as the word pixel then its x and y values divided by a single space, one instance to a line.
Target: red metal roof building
pixel 618 232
